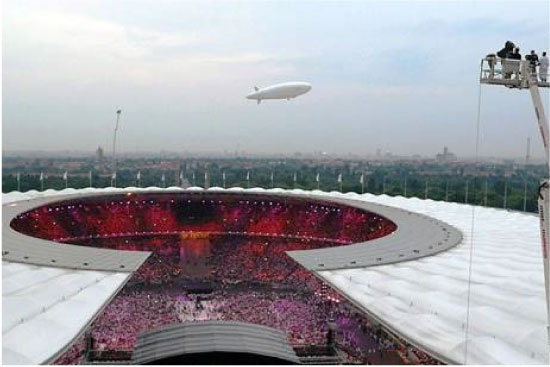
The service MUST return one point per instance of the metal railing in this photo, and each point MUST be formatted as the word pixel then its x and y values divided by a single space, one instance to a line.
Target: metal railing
pixel 511 72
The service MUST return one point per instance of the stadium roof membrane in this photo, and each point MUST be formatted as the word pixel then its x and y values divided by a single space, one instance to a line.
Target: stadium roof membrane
pixel 422 300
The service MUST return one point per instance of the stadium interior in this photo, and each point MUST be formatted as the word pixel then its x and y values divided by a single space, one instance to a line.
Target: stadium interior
pixel 222 257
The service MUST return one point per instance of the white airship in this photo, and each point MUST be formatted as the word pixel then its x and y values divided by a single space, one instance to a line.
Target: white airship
pixel 280 91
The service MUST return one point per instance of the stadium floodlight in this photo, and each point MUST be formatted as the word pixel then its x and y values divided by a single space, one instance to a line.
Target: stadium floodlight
pixel 118 112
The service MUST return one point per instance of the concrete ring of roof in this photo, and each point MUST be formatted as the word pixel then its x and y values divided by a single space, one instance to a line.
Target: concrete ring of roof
pixel 417 236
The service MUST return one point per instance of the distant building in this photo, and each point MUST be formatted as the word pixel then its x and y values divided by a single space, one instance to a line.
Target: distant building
pixel 99 154
pixel 446 156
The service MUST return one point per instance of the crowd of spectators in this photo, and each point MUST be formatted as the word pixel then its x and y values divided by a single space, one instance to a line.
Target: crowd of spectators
pixel 75 354
pixel 137 215
pixel 221 259
pixel 130 313
pixel 303 316
pixel 235 247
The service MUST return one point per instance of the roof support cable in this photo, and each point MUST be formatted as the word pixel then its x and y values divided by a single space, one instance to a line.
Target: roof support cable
pixel 472 227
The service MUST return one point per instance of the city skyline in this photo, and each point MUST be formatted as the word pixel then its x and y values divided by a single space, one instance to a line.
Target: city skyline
pixel 231 154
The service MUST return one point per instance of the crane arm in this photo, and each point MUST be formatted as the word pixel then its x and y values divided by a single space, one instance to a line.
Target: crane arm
pixel 544 192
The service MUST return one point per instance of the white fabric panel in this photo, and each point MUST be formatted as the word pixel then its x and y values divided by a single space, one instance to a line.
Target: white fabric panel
pixel 44 308
pixel 426 300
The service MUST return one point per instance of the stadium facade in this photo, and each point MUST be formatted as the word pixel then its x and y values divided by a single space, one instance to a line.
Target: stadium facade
pixel 413 280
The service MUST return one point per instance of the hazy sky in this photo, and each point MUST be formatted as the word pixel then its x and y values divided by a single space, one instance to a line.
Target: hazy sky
pixel 399 76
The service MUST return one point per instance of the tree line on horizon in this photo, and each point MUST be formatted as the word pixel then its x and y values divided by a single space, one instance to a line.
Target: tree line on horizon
pixel 521 187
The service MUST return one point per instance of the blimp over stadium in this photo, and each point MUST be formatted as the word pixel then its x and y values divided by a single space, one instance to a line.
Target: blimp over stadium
pixel 266 276
pixel 288 91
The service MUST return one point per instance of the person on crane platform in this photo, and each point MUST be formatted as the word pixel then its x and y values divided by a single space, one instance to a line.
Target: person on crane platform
pixel 507 50
pixel 505 53
pixel 515 55
pixel 509 67
pixel 533 59
pixel 543 68
pixel 491 60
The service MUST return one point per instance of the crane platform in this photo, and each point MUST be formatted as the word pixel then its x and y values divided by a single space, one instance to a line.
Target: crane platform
pixel 510 73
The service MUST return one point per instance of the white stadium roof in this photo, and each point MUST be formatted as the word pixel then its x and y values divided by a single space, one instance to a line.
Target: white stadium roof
pixel 426 300
pixel 44 308
pixel 422 300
